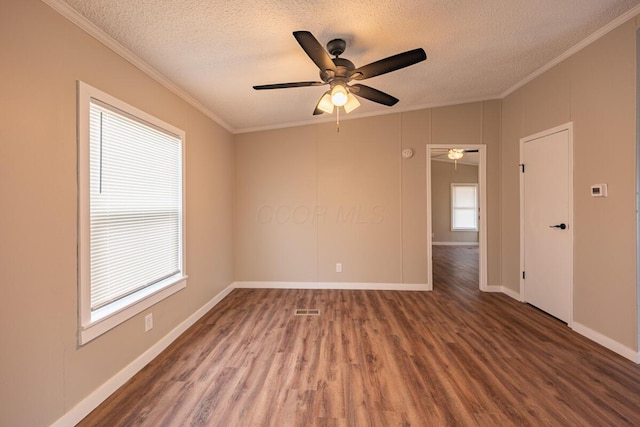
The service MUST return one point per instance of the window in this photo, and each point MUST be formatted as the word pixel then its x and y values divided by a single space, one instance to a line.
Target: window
pixel 464 207
pixel 130 210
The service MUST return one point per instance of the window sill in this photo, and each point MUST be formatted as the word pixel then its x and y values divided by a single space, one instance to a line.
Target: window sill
pixel 112 315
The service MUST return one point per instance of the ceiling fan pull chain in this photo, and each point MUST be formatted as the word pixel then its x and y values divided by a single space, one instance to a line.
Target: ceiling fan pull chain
pixel 338 119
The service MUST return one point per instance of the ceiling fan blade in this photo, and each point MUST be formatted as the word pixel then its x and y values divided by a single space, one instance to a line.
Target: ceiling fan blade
pixel 471 151
pixel 314 49
pixel 373 95
pixel 389 64
pixel 317 111
pixel 287 85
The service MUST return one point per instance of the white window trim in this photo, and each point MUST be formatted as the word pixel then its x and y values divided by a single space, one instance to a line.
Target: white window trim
pixel 92 325
pixel 463 184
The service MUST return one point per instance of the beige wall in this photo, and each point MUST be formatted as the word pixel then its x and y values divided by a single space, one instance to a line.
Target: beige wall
pixel 43 373
pixel 310 197
pixel 596 90
pixel 304 198
pixel 443 174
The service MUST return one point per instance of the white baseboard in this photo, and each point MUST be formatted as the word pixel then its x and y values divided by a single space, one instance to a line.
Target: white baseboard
pixel 455 243
pixel 509 292
pixel 607 342
pixel 88 404
pixel 335 285
pixel 513 294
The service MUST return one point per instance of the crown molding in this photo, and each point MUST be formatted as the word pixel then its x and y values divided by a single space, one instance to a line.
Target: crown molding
pixel 331 118
pixel 94 31
pixel 575 48
pixel 72 15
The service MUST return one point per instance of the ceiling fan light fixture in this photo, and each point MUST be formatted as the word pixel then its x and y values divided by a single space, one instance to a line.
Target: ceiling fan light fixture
pixel 339 95
pixel 352 103
pixel 455 153
pixel 325 105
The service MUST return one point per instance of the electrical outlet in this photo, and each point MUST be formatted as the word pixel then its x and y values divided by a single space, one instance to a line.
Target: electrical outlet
pixel 339 267
pixel 148 322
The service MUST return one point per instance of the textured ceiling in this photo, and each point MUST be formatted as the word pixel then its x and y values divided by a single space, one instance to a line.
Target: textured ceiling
pixel 217 50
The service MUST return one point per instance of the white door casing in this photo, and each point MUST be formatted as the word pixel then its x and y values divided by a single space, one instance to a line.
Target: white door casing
pixel 546 221
pixel 482 203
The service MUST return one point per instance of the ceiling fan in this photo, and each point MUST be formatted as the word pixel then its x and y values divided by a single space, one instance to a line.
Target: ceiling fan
pixel 454 154
pixel 339 72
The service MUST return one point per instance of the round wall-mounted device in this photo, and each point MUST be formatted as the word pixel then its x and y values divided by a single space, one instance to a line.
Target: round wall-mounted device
pixel 407 153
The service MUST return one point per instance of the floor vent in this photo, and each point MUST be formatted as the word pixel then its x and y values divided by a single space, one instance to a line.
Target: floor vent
pixel 307 312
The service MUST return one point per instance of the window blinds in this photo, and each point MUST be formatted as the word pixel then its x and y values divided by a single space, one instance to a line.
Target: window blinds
pixel 465 206
pixel 135 205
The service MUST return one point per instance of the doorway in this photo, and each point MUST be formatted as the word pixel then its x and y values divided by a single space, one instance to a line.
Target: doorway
pixel 460 215
pixel 546 221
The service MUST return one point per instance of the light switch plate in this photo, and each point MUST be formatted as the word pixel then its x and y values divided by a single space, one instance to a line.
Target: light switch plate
pixel 599 190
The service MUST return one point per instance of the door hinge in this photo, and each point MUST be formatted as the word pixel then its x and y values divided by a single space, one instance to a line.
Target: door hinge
pixel 524 275
pixel 521 167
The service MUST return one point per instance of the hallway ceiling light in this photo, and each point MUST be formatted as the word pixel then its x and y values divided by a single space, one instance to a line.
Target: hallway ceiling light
pixel 455 153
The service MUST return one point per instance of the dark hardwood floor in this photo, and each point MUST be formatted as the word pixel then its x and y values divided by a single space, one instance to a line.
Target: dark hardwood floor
pixel 453 356
pixel 456 266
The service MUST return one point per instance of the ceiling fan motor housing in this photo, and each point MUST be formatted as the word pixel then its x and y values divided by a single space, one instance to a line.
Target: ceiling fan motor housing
pixel 343 69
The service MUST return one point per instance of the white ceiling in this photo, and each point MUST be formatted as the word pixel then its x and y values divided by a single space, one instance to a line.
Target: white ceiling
pixel 215 51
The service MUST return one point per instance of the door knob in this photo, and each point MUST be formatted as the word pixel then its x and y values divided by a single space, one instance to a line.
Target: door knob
pixel 560 226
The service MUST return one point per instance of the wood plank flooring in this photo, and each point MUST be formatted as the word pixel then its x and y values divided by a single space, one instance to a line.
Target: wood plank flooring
pixel 453 356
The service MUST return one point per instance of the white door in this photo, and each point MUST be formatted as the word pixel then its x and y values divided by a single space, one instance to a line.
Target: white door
pixel 546 221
